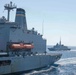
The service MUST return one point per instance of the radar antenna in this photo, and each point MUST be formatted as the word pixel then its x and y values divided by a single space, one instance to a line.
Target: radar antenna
pixel 9 7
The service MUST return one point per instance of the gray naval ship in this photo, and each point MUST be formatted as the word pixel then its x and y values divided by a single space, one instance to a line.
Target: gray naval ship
pixel 59 47
pixel 21 49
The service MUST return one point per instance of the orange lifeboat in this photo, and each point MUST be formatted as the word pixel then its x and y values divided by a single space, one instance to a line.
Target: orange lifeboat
pixel 28 46
pixel 22 46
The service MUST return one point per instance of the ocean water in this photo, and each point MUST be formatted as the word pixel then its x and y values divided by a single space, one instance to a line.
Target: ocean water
pixel 65 66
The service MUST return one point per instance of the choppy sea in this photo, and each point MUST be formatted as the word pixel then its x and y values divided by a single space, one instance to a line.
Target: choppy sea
pixel 65 66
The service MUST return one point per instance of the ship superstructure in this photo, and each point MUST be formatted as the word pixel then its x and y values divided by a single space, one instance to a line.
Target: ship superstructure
pixel 21 49
pixel 17 32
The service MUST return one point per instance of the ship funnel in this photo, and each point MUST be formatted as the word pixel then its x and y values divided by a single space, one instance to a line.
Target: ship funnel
pixel 21 18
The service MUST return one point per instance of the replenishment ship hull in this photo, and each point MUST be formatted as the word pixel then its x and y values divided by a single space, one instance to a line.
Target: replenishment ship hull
pixel 20 64
pixel 21 49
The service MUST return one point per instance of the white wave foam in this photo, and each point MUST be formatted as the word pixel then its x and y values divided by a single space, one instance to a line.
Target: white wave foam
pixel 67 61
pixel 61 70
pixel 40 72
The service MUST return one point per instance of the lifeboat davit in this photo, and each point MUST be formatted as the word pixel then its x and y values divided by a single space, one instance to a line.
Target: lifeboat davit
pixel 22 46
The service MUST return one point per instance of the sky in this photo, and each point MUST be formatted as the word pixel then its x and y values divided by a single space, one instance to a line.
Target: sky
pixel 54 19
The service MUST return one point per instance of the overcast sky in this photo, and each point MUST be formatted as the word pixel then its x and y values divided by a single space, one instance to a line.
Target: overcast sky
pixel 57 17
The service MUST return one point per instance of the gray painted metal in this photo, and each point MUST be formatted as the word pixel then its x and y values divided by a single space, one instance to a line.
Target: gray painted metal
pixel 17 31
pixel 20 63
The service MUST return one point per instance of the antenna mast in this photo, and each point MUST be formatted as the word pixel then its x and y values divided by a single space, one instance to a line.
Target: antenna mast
pixel 43 27
pixel 9 7
pixel 60 40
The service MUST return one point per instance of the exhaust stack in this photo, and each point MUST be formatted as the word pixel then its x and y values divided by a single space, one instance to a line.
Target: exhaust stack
pixel 21 18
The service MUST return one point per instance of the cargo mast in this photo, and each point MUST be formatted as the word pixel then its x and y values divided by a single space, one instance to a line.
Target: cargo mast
pixel 9 7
